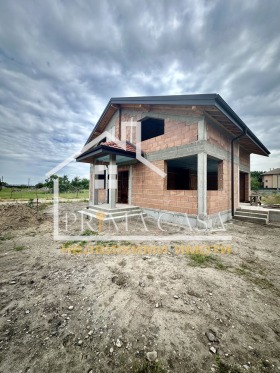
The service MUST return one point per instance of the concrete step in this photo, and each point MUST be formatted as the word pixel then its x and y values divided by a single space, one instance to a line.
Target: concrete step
pixel 115 213
pixel 252 214
pixel 109 217
pixel 251 219
pixel 117 209
pixel 253 211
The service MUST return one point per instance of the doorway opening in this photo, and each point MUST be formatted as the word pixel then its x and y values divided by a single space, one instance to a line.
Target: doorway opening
pixel 243 187
pixel 122 187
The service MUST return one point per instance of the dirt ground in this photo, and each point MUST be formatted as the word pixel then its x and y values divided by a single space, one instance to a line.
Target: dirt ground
pixel 63 311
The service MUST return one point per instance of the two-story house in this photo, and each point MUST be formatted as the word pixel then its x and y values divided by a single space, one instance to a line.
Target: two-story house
pixel 271 179
pixel 194 158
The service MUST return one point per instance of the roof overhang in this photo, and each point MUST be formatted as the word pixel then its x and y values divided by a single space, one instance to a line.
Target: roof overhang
pixel 211 104
pixel 103 152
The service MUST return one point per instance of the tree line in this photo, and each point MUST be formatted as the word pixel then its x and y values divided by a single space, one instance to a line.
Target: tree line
pixel 65 184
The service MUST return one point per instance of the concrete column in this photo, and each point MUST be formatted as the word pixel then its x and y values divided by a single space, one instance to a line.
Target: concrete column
pixel 202 184
pixel 201 130
pixel 112 181
pixel 106 186
pixel 130 185
pixel 93 192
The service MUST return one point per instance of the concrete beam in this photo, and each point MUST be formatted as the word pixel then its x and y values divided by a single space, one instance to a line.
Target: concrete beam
pixel 191 149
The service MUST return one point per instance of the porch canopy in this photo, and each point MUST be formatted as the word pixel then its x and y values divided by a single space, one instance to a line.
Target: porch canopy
pixel 107 153
pixel 104 150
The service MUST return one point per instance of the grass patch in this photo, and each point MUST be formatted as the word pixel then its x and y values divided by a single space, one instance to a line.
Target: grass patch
pixel 106 243
pixel 271 199
pixel 28 194
pixel 20 248
pixel 226 368
pixel 201 259
pixel 147 367
pixel 241 271
pixel 221 266
pixel 69 243
pixel 261 282
pixel 126 243
pixel 89 232
pixel 5 237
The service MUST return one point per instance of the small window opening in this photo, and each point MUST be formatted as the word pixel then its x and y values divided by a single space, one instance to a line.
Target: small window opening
pixel 151 127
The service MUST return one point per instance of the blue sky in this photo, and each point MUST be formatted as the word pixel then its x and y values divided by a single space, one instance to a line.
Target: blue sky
pixel 61 61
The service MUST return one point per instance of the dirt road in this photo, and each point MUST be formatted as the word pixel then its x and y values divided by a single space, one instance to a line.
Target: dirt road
pixel 64 312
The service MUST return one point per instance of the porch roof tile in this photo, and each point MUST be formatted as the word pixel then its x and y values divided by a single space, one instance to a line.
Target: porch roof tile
pixel 111 144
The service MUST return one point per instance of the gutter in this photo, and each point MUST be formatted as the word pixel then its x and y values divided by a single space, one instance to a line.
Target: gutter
pixel 232 167
pixel 120 122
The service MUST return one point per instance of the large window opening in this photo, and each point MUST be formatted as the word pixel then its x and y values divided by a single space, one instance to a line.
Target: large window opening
pixel 151 127
pixel 214 174
pixel 182 173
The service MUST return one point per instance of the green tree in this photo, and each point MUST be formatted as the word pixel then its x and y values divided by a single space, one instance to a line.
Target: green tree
pixel 76 182
pixel 255 184
pixel 85 183
pixel 256 179
pixel 49 181
pixel 257 175
pixel 64 183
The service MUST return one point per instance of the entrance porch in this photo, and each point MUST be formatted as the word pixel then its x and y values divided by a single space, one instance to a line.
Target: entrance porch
pixel 105 178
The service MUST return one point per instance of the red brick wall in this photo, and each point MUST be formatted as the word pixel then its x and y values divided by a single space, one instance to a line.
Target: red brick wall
pixel 176 132
pixel 149 190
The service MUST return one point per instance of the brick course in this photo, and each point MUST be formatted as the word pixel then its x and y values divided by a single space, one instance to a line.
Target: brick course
pixel 149 190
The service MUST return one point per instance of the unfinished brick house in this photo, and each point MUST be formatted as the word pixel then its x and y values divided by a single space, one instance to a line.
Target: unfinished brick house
pixel 198 141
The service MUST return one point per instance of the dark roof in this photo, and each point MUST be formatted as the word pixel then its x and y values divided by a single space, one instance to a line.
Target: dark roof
pixel 205 100
pixel 275 171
